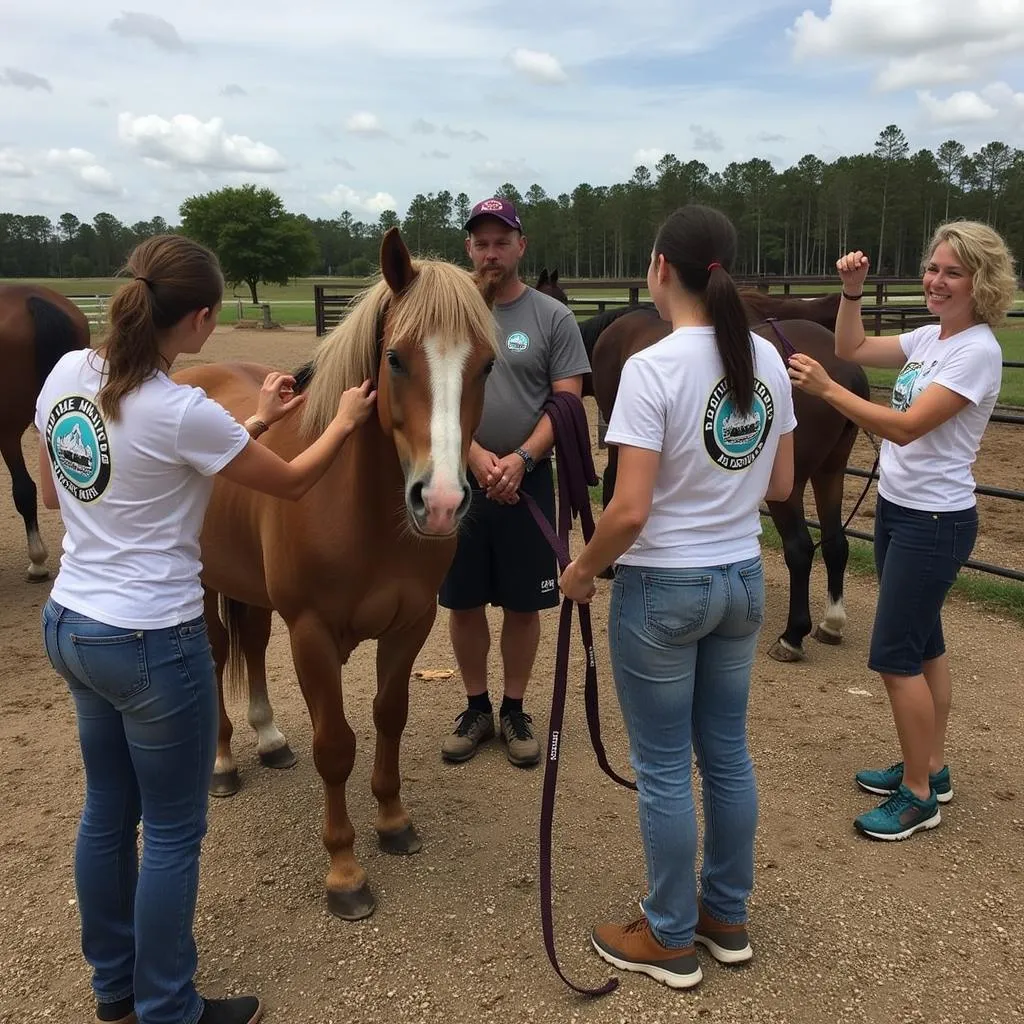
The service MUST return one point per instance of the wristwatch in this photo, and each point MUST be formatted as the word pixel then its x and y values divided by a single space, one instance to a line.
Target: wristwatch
pixel 527 459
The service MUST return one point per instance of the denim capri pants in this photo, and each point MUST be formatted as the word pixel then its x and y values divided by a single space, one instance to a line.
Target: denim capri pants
pixel 917 556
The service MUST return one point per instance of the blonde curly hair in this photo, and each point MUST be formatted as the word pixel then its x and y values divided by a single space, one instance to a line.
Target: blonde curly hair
pixel 985 255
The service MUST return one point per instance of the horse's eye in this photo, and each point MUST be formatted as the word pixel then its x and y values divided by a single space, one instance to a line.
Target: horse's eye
pixel 394 363
pixel 488 367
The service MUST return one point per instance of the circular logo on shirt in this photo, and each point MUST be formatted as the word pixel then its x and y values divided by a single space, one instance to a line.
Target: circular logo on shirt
pixel 732 438
pixel 518 341
pixel 76 438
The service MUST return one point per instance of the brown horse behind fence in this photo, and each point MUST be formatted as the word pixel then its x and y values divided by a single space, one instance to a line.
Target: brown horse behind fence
pixel 352 560
pixel 822 444
pixel 37 327
pixel 760 306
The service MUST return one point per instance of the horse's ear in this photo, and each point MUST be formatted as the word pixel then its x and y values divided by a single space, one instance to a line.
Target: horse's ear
pixel 395 262
pixel 554 276
pixel 543 279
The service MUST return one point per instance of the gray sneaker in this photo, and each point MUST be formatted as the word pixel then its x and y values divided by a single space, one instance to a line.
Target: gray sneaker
pixel 473 728
pixel 517 732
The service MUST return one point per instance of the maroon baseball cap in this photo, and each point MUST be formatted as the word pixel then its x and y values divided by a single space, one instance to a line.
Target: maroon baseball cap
pixel 500 208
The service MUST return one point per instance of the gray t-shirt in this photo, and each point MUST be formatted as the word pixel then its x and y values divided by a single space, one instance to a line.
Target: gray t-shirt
pixel 539 342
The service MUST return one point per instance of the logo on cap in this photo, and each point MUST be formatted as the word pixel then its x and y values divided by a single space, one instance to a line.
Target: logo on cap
pixel 492 204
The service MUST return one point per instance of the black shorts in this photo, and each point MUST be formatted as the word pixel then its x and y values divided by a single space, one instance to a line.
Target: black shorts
pixel 502 557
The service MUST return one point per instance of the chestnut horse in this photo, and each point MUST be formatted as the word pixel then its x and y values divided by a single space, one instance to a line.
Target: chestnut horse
pixel 822 444
pixel 354 559
pixel 37 327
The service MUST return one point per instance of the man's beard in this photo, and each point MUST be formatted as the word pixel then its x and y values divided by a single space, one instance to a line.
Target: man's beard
pixel 500 276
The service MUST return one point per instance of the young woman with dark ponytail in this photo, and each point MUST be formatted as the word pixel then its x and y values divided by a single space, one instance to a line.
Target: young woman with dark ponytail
pixel 703 421
pixel 128 457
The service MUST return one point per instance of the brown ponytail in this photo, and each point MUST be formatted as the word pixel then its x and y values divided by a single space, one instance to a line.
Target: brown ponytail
pixel 172 277
pixel 700 244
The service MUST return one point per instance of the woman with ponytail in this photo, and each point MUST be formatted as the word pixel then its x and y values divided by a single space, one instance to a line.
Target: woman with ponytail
pixel 128 456
pixel 703 421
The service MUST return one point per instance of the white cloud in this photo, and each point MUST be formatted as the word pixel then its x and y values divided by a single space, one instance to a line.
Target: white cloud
pixel 921 42
pixel 98 179
pixel 963 107
pixel 364 123
pixel 648 157
pixel 968 107
pixel 12 166
pixel 185 141
pixel 538 66
pixel 161 33
pixel 341 197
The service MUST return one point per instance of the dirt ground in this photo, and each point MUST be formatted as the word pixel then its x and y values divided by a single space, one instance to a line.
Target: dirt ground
pixel 844 930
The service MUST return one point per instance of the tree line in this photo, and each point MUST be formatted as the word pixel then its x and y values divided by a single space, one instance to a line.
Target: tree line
pixel 794 221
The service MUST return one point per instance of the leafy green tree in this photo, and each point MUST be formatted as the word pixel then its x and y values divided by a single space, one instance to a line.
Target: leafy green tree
pixel 254 237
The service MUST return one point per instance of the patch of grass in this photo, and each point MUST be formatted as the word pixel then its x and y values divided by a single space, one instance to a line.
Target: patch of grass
pixel 1004 597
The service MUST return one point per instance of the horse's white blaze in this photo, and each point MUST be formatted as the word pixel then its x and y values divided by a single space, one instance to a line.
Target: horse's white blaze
pixel 447 363
pixel 835 617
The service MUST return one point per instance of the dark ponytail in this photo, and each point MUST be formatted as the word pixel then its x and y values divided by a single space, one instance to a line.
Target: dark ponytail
pixel 172 277
pixel 700 244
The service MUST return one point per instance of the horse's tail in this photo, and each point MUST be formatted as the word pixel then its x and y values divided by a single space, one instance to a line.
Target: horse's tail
pixel 55 334
pixel 232 615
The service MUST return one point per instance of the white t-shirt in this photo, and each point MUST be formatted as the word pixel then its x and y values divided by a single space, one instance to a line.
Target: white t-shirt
pixel 133 492
pixel 715 462
pixel 933 473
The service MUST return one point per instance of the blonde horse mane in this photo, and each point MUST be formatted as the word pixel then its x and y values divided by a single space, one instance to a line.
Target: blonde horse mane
pixel 442 301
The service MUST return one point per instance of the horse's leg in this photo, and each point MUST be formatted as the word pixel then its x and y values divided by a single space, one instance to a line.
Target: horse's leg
pixel 395 656
pixel 318 666
pixel 225 780
pixel 798 549
pixel 24 490
pixel 254 635
pixel 828 484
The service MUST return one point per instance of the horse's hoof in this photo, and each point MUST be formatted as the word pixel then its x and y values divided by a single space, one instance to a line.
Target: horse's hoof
pixel 784 653
pixel 33 577
pixel 823 636
pixel 282 757
pixel 351 905
pixel 403 842
pixel 225 783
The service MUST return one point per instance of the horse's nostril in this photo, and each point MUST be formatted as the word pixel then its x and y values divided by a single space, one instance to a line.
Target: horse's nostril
pixel 416 496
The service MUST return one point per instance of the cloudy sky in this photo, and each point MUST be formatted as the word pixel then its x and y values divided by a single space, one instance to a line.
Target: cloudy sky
pixel 349 104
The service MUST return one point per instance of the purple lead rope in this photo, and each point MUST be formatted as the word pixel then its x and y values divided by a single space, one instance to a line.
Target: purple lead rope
pixel 575 468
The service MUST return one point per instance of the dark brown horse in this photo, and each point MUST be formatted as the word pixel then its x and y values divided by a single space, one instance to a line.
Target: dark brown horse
pixel 37 327
pixel 760 306
pixel 822 444
pixel 356 558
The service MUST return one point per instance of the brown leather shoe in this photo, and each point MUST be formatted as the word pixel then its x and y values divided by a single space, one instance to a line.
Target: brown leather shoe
pixel 727 943
pixel 633 947
pixel 473 728
pixel 523 750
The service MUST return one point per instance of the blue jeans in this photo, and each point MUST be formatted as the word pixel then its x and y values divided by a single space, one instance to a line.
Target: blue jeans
pixel 917 556
pixel 147 711
pixel 682 647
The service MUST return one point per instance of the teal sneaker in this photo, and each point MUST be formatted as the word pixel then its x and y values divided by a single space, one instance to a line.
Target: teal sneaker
pixel 900 816
pixel 887 781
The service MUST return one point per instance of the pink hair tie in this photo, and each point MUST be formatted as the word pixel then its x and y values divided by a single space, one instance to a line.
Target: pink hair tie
pixel 711 266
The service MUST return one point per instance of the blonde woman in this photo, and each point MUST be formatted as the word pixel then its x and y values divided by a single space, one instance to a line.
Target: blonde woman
pixel 926 519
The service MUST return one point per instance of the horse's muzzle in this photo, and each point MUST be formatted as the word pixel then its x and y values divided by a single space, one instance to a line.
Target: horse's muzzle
pixel 436 510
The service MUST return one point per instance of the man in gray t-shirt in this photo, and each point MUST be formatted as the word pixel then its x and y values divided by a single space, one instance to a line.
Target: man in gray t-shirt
pixel 502 557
